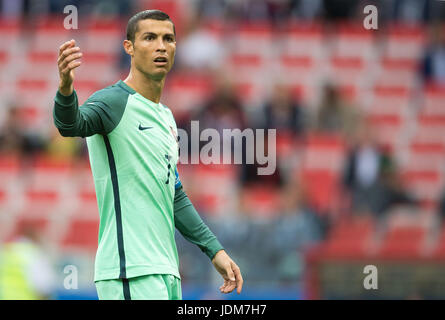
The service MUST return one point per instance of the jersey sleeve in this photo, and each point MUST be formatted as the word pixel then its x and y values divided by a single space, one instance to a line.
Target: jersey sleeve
pixel 100 114
pixel 190 225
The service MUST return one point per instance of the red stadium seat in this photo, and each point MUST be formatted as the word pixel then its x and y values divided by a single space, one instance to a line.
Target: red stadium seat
pixel 433 105
pixel 286 143
pixel 353 41
pixel 100 67
pixel 4 200
pixel 439 250
pixel 396 71
pixel 50 34
pixel 9 169
pixel 430 127
pixel 403 242
pixel 185 92
pixel 82 233
pixel 388 129
pixel 299 58
pixel 347 73
pixel 425 155
pixel 45 186
pixel 299 73
pixel 404 42
pixel 109 31
pixel 4 58
pixel 321 169
pixel 350 238
pixel 261 201
pixel 247 66
pixel 302 39
pixel 321 188
pixel 389 100
pixel 425 184
pixel 43 64
pixel 87 196
pixel 85 88
pixel 216 186
pixel 250 93
pixel 34 92
pixel 9 31
pixel 25 84
pixel 325 152
pixel 253 38
pixel 40 204
pixel 40 225
pixel 175 10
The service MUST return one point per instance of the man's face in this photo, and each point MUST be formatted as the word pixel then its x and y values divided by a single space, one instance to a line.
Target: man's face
pixel 154 48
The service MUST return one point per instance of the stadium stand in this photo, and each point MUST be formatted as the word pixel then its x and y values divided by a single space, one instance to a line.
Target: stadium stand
pixel 377 74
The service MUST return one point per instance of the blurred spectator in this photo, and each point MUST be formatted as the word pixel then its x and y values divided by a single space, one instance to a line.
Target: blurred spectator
pixel 339 9
pixel 249 171
pixel 295 229
pixel 223 110
pixel 334 115
pixel 307 9
pixel 281 112
pixel 441 206
pixel 276 11
pixel 63 148
pixel 371 177
pixel 410 11
pixel 363 168
pixel 26 272
pixel 433 61
pixel 215 9
pixel 199 49
pixel 14 140
pixel 11 8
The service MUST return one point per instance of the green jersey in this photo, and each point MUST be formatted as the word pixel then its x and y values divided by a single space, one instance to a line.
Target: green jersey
pixel 133 150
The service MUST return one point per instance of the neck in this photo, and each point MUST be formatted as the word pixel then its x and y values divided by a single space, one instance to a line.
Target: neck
pixel 147 87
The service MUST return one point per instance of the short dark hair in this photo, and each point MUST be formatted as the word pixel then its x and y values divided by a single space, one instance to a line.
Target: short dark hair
pixel 132 26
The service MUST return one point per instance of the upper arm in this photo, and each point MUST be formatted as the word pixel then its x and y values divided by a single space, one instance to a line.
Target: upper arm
pixel 105 109
pixel 98 115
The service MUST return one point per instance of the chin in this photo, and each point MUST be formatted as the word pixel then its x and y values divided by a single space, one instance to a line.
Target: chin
pixel 156 74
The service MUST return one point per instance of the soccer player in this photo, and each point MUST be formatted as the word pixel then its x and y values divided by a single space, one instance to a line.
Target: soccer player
pixel 133 150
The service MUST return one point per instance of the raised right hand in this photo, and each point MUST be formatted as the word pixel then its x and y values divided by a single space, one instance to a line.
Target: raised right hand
pixel 68 60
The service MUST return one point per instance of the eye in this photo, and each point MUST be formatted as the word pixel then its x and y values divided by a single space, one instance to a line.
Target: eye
pixel 150 37
pixel 170 39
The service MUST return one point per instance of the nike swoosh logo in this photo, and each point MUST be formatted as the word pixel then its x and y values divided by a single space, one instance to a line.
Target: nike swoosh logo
pixel 144 128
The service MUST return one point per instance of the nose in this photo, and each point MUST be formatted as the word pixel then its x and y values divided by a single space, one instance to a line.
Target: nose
pixel 161 46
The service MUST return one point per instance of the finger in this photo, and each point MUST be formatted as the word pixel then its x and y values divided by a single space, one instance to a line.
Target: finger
pixel 70 58
pixel 225 288
pixel 65 45
pixel 230 273
pixel 230 287
pixel 239 278
pixel 71 66
pixel 67 52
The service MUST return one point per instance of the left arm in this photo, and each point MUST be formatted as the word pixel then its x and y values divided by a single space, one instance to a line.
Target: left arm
pixel 190 225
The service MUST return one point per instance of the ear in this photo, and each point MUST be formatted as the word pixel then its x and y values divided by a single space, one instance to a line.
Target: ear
pixel 128 46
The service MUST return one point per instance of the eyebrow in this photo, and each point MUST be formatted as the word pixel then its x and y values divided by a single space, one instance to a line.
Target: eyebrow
pixel 154 34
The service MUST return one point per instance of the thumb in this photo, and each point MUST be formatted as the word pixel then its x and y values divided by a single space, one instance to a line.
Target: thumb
pixel 230 273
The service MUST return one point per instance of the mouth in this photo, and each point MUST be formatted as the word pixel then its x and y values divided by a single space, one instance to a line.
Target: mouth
pixel 160 61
